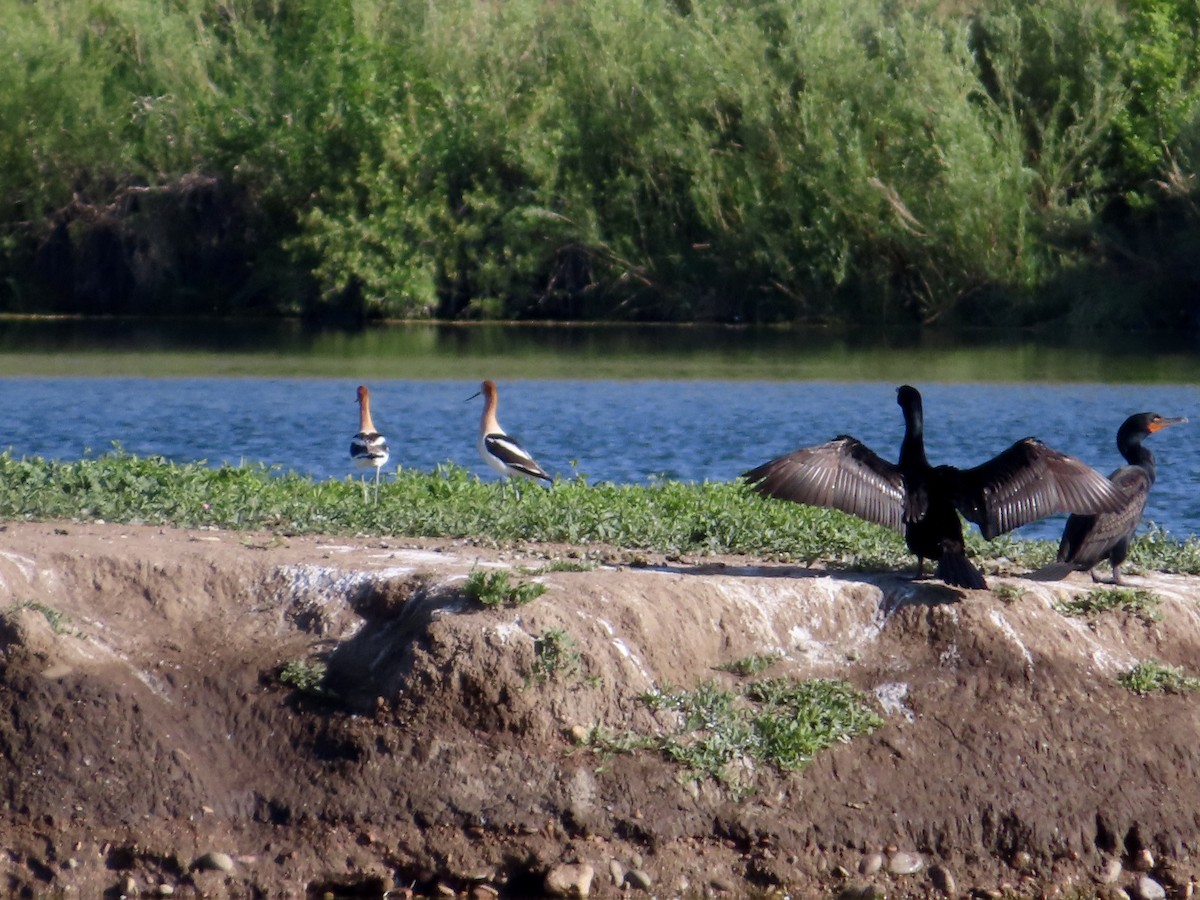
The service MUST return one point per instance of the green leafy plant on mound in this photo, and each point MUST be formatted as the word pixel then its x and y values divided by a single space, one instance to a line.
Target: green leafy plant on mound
pixel 1151 676
pixel 1141 603
pixel 58 620
pixel 1007 593
pixel 754 664
pixel 304 676
pixel 780 722
pixel 555 655
pixel 495 589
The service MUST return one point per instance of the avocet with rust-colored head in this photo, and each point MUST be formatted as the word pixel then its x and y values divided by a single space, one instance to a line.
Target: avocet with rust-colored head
pixel 502 452
pixel 368 448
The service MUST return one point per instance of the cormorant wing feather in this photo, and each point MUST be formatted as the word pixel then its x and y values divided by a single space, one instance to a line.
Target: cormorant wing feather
pixel 842 474
pixel 507 450
pixel 1088 539
pixel 1027 482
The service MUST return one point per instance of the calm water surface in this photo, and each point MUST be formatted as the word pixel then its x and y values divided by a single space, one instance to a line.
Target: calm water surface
pixel 625 431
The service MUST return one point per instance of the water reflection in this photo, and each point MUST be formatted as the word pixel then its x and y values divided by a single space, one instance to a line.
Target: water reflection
pixel 429 350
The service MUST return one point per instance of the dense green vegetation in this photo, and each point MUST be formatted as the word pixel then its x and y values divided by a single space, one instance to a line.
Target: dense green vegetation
pixel 771 160
pixel 668 517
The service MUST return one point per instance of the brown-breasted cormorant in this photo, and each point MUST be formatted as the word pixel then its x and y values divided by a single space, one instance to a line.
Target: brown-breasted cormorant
pixel 1088 539
pixel 1024 483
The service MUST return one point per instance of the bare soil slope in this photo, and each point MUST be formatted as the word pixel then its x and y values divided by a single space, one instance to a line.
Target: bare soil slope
pixel 150 748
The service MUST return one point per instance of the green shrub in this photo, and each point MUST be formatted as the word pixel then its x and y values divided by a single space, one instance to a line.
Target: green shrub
pixel 555 655
pixel 779 721
pixel 303 676
pixel 1143 604
pixel 495 589
pixel 1150 676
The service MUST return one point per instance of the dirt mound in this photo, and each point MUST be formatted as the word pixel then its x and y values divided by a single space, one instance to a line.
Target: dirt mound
pixel 153 745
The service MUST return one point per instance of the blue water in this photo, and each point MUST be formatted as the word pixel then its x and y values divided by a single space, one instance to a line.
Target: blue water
pixel 619 431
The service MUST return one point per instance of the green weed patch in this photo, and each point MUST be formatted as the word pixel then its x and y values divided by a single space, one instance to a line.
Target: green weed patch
pixel 781 722
pixel 1141 603
pixel 1151 676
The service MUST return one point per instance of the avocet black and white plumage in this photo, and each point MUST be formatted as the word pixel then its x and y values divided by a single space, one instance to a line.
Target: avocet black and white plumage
pixel 500 451
pixel 368 448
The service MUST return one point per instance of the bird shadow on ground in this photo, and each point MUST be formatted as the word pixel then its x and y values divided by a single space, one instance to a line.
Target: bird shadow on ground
pixel 911 592
pixel 899 590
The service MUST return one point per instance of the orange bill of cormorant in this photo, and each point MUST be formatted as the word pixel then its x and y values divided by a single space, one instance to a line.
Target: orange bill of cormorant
pixel 1087 540
pixel 1026 482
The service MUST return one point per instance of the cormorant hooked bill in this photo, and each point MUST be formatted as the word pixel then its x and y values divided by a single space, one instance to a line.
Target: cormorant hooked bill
pixel 1088 539
pixel 1026 482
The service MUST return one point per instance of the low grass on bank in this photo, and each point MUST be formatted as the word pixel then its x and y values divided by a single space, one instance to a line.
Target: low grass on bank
pixel 1143 604
pixel 1152 676
pixel 666 517
pixel 724 733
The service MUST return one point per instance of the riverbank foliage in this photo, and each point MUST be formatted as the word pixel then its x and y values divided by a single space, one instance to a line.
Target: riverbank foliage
pixel 667 517
pixel 781 160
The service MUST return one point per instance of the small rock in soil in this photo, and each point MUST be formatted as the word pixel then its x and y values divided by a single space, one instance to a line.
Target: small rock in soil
pixel 1108 872
pixel 572 880
pixel 214 861
pixel 871 863
pixel 943 880
pixel 1146 888
pixel 903 863
pixel 639 879
pixel 616 872
pixel 721 883
pixel 861 892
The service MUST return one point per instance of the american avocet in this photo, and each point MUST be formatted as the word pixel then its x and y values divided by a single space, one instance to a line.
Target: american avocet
pixel 368 448
pixel 1086 540
pixel 1024 483
pixel 503 453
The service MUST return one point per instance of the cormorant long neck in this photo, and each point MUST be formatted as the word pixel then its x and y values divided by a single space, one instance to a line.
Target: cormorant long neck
pixel 912 448
pixel 1129 442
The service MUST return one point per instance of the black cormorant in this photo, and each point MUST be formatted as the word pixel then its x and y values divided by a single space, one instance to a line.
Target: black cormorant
pixel 1088 539
pixel 1024 483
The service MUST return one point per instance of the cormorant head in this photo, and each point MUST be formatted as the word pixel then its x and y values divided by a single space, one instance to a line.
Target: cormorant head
pixel 1139 425
pixel 908 397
